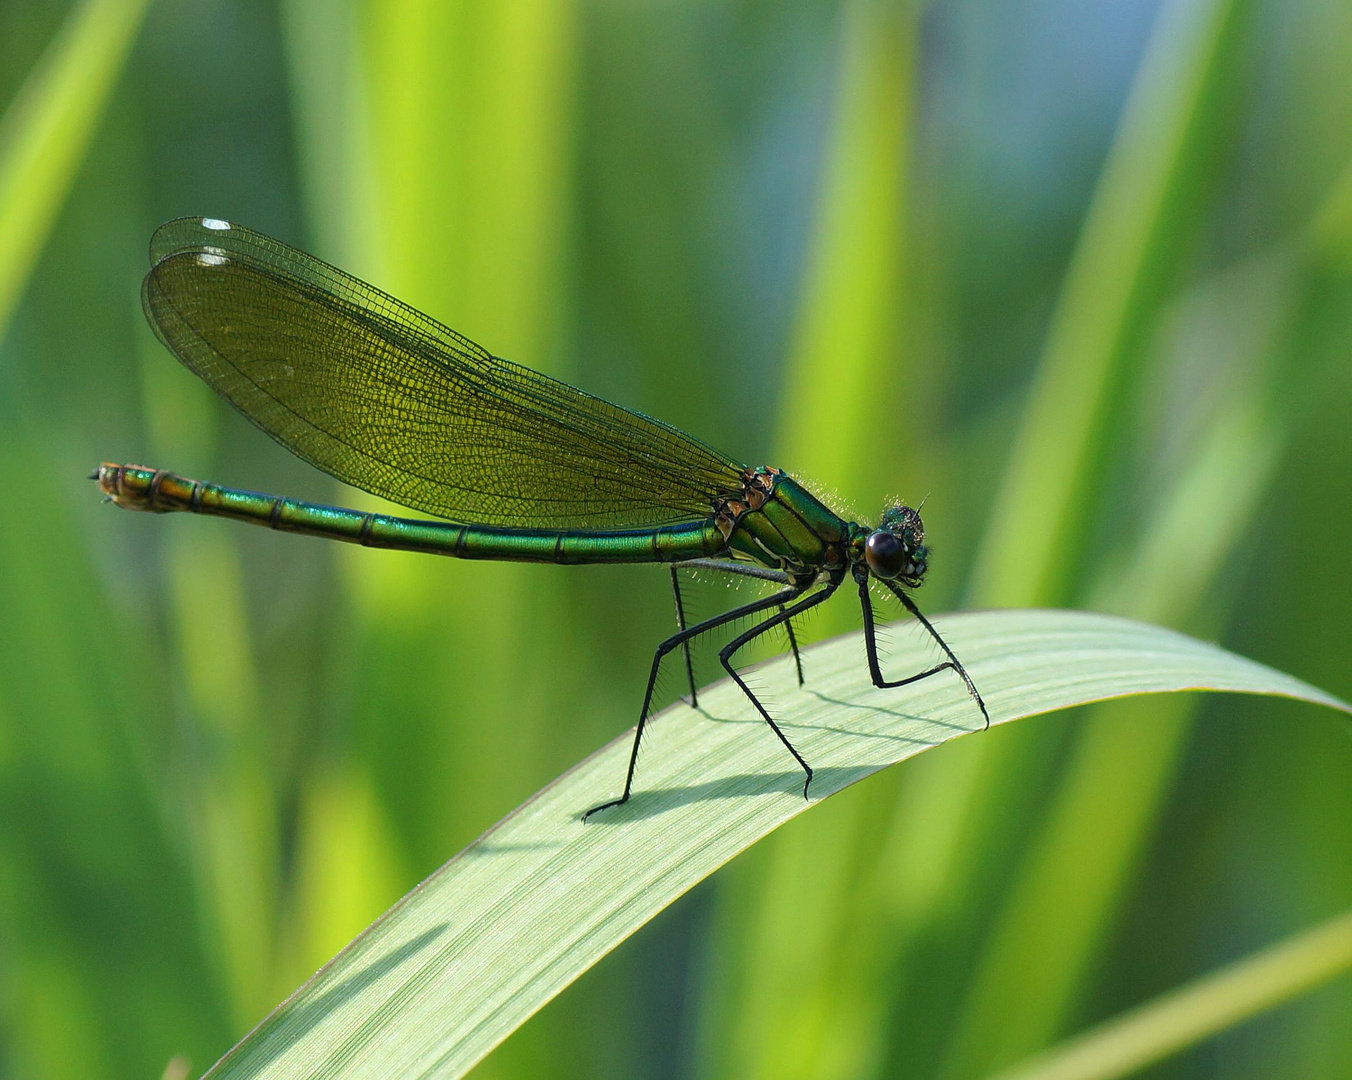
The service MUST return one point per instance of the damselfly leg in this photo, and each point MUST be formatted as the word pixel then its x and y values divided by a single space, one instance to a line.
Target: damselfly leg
pixel 871 648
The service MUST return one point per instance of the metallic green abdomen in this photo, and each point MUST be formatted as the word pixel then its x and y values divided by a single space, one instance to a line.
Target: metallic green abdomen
pixel 138 488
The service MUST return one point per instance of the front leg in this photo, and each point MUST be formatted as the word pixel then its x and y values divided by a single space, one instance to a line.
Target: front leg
pixel 685 645
pixel 871 647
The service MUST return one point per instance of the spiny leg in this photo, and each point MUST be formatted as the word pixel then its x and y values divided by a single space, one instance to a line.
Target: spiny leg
pixel 685 645
pixel 871 648
pixel 793 647
pixel 726 566
pixel 680 637
pixel 784 615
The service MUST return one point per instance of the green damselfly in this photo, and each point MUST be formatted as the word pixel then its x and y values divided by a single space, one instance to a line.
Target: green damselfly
pixel 517 465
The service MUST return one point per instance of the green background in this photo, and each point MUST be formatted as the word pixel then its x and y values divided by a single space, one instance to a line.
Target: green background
pixel 1081 273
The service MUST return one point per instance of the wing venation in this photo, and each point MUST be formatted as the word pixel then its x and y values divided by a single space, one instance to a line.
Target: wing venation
pixel 389 400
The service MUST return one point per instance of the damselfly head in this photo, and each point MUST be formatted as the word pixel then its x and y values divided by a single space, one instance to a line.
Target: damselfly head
pixel 895 550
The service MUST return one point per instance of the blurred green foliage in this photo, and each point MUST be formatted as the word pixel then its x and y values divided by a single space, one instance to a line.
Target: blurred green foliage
pixel 1083 273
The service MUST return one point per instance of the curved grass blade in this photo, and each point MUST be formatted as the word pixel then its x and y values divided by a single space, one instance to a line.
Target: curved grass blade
pixel 489 938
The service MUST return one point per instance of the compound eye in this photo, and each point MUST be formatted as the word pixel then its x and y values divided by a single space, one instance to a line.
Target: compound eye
pixel 885 555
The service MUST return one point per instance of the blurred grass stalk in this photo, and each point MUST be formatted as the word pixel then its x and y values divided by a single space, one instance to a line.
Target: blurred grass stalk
pixel 225 791
pixel 842 355
pixel 45 131
pixel 60 1025
pixel 1203 1008
pixel 1138 231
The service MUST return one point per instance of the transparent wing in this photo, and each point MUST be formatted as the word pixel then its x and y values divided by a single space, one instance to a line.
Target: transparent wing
pixel 389 400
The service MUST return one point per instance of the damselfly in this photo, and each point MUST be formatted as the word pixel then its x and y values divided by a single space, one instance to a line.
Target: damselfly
pixel 517 465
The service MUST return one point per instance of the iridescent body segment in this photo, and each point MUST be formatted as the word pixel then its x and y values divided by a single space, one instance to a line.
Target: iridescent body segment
pixel 515 465
pixel 136 488
pixel 790 528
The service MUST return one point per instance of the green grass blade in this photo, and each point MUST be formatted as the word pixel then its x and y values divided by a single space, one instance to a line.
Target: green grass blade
pixel 844 359
pixel 45 130
pixel 1136 230
pixel 493 935
pixel 1237 992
